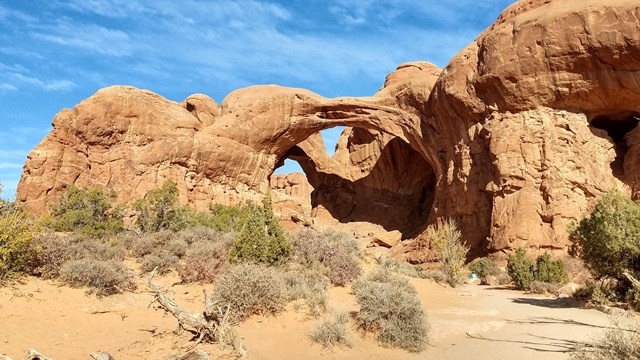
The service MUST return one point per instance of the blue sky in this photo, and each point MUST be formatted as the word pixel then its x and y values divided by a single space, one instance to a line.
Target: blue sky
pixel 54 53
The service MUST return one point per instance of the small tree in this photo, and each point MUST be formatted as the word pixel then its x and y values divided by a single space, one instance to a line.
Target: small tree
pixel 520 268
pixel 484 267
pixel 608 240
pixel 261 239
pixel 90 212
pixel 451 251
pixel 160 210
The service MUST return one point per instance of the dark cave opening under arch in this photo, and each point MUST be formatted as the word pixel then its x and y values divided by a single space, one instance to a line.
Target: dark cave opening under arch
pixel 396 191
pixel 617 126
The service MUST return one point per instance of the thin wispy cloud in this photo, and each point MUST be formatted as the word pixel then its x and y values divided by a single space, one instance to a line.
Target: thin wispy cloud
pixel 55 53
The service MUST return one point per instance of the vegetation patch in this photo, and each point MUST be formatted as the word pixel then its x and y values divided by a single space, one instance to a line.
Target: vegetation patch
pixel 251 289
pixel 334 330
pixel 390 307
pixel 338 254
pixel 447 242
pixel 101 277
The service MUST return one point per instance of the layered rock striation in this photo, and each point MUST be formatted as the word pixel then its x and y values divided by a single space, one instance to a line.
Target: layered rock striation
pixel 514 139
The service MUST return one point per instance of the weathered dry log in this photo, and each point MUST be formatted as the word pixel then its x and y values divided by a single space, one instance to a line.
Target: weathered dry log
pixel 34 355
pixel 101 355
pixel 212 326
pixel 194 355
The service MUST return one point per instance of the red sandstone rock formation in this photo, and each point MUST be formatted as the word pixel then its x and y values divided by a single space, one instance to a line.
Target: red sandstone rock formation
pixel 514 139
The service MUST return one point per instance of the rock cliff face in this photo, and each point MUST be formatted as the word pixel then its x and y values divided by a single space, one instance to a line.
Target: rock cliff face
pixel 515 138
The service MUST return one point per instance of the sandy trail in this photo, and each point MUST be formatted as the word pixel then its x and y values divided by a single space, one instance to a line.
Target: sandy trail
pixel 468 321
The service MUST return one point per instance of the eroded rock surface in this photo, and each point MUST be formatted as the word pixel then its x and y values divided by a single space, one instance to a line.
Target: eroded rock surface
pixel 514 139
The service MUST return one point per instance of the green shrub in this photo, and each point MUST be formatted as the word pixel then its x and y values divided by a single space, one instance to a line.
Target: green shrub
pixel 484 267
pixel 338 253
pixel 101 277
pixel 390 306
pixel 608 240
pixel 227 218
pixel 160 210
pixel 446 240
pixel 333 331
pixel 262 239
pixel 550 271
pixel 520 269
pixel 16 240
pixel 89 212
pixel 250 289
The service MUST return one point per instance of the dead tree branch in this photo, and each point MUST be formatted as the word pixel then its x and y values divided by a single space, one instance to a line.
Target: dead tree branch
pixel 212 326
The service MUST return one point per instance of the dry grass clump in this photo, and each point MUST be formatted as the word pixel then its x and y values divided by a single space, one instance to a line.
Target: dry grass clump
pixel 337 252
pixel 308 285
pixel 447 242
pixel 542 287
pixel 163 263
pixel 334 330
pixel 103 277
pixel 390 306
pixel 620 342
pixel 205 257
pixel 251 289
pixel 53 251
pixel 403 268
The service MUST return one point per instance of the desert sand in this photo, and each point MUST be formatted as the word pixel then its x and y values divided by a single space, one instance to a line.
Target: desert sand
pixel 471 320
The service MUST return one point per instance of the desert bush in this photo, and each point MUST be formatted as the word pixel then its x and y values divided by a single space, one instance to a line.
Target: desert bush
pixel 390 306
pixel 16 240
pixel 550 271
pixel 451 251
pixel 308 285
pixel 608 240
pixel 250 289
pixel 541 287
pixel 402 267
pixel 101 277
pixel 520 269
pixel 619 342
pixel 227 218
pixel 334 330
pixel 337 252
pixel 89 212
pixel 484 267
pixel 53 250
pixel 545 270
pixel 262 239
pixel 162 263
pixel 160 210
pixel 204 259
pixel 159 243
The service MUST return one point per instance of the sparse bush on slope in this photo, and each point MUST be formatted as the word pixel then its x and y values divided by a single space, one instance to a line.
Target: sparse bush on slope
pixel 619 342
pixel 101 277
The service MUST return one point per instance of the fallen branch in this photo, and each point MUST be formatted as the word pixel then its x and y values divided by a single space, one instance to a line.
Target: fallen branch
pixel 212 326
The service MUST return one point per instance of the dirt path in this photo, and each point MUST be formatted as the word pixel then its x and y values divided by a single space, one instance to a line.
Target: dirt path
pixel 468 321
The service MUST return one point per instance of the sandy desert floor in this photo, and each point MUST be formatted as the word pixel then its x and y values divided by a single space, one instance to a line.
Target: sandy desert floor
pixel 472 320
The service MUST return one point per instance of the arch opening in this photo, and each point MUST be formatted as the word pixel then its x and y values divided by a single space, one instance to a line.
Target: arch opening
pixel 617 126
pixel 373 177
